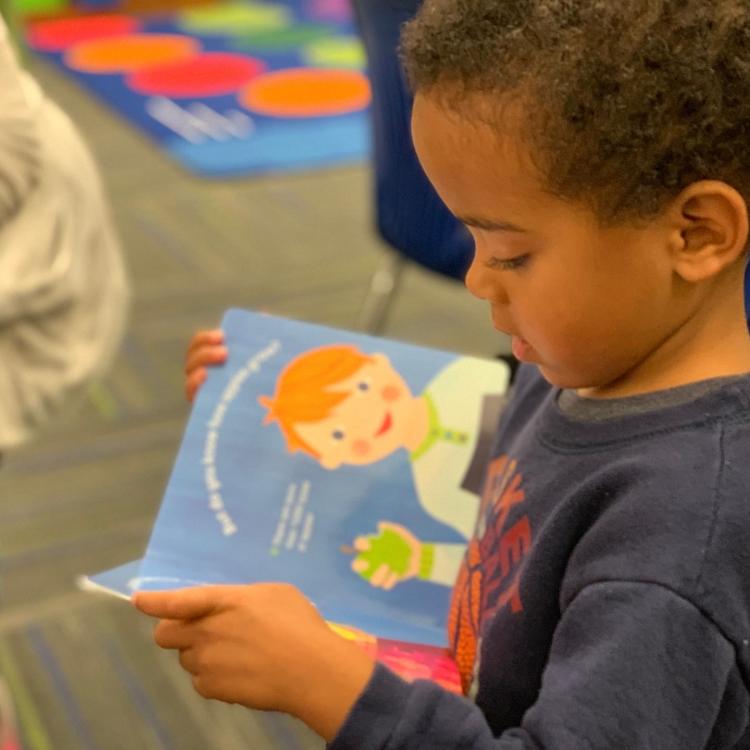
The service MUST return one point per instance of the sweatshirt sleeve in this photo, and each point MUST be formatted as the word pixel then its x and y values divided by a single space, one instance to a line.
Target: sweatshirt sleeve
pixel 632 665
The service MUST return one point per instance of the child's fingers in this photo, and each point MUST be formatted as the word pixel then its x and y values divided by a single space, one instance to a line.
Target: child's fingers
pixel 380 576
pixel 181 604
pixel 359 566
pixel 390 581
pixel 194 381
pixel 172 634
pixel 361 544
pixel 214 337
pixel 390 526
pixel 188 660
pixel 205 355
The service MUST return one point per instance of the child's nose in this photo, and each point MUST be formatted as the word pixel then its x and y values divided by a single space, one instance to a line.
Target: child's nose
pixel 480 281
pixel 472 280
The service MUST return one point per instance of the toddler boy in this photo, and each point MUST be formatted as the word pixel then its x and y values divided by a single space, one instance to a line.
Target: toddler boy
pixel 599 152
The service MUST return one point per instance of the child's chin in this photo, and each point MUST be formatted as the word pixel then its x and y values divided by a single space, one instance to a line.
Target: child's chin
pixel 561 379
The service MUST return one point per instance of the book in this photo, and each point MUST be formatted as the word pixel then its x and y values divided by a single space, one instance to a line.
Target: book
pixel 347 465
pixel 410 660
pixel 122 581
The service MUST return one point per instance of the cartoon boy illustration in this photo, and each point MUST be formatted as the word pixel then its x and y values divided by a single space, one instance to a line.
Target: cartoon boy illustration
pixel 342 406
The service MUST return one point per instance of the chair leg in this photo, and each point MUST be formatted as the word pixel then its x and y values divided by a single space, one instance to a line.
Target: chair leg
pixel 383 289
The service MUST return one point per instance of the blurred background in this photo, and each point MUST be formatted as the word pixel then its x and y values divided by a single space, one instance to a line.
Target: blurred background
pixel 288 226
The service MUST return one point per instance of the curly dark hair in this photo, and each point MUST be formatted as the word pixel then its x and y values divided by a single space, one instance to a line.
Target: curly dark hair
pixel 626 102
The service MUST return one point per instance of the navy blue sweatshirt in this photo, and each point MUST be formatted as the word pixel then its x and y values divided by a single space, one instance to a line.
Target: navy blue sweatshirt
pixel 604 603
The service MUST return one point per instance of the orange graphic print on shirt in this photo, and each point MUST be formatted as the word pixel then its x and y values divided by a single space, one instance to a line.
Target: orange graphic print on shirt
pixel 489 576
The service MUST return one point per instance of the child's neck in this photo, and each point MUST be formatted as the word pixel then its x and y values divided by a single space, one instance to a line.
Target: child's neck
pixel 417 423
pixel 713 343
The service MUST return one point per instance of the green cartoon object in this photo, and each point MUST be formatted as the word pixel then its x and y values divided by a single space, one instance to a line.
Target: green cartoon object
pixel 387 548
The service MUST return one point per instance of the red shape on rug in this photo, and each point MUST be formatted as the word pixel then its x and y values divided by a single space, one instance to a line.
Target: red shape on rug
pixel 58 35
pixel 206 74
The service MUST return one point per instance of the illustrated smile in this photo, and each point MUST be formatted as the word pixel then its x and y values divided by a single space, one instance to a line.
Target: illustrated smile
pixel 385 426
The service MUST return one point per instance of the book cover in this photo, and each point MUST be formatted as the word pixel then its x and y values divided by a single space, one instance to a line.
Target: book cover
pixel 345 464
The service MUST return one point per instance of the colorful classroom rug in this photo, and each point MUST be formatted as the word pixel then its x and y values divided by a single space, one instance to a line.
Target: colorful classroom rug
pixel 227 89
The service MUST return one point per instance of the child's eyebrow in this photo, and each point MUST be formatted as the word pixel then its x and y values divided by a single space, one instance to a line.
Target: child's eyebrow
pixel 489 225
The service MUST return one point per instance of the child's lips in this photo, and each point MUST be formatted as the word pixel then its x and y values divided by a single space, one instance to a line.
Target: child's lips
pixel 522 350
pixel 386 425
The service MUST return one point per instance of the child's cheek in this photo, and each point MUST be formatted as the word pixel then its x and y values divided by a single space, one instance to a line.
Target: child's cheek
pixel 390 393
pixel 360 448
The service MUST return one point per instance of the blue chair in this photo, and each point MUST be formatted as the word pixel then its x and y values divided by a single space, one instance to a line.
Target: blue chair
pixel 410 217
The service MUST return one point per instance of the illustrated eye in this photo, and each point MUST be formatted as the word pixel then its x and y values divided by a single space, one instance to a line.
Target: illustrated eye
pixel 363 385
pixel 338 434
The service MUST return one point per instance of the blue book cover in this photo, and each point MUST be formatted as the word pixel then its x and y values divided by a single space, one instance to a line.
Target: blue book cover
pixel 348 465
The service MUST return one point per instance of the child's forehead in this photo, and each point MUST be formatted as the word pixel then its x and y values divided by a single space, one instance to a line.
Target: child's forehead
pixel 490 128
pixel 494 112
pixel 476 162
pixel 374 364
pixel 355 375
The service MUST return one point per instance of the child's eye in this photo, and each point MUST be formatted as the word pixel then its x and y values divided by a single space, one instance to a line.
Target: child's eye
pixel 363 385
pixel 338 434
pixel 508 264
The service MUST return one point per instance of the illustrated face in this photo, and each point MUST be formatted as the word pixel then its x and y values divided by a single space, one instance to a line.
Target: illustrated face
pixel 585 302
pixel 368 425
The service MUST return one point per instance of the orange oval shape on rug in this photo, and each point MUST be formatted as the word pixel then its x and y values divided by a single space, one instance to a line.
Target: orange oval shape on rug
pixel 127 53
pixel 307 92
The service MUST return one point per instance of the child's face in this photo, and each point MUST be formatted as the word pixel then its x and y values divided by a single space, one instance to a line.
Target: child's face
pixel 584 302
pixel 368 425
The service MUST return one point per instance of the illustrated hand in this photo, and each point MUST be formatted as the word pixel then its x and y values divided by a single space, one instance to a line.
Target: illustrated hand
pixel 264 646
pixel 389 557
pixel 205 348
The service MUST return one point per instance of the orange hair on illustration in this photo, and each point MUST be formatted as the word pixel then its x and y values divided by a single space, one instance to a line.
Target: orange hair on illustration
pixel 302 393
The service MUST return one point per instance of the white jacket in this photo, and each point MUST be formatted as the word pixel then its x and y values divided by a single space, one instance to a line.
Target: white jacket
pixel 63 289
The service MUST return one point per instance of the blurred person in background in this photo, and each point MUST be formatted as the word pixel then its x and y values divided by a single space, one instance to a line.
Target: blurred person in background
pixel 63 289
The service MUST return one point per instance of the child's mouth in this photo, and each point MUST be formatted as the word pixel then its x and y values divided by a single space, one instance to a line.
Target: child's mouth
pixel 385 426
pixel 522 350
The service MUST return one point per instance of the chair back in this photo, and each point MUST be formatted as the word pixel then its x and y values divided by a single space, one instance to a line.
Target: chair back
pixel 409 214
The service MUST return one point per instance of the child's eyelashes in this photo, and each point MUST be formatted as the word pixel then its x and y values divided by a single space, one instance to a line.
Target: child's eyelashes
pixel 508 264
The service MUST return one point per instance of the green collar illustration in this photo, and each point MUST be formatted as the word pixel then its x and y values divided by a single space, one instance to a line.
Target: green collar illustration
pixel 436 432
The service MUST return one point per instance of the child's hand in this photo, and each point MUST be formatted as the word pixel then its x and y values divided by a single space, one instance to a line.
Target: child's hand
pixel 264 646
pixel 205 348
pixel 388 557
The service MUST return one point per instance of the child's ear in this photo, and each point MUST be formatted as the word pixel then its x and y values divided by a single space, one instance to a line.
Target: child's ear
pixel 711 229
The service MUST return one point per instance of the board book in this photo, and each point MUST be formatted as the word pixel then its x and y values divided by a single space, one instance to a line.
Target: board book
pixel 347 465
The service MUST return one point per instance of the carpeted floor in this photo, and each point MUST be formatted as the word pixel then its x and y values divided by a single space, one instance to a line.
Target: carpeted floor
pixel 82 669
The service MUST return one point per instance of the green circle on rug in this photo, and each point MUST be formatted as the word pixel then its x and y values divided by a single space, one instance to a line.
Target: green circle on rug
pixel 282 39
pixel 338 52
pixel 30 7
pixel 235 19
